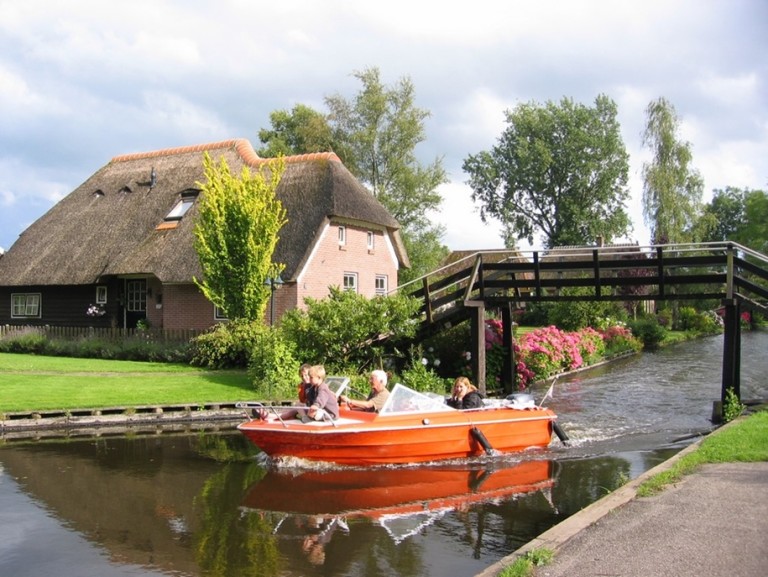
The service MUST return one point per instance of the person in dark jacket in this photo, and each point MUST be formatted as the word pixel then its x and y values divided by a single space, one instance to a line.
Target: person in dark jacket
pixel 465 395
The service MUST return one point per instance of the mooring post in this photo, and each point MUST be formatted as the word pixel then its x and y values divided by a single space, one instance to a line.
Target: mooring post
pixel 731 350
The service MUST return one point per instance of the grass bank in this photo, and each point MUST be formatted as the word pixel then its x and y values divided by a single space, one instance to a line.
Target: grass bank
pixel 35 383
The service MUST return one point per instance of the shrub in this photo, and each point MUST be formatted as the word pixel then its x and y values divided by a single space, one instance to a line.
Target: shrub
pixel 227 345
pixel 28 340
pixel 273 364
pixel 649 331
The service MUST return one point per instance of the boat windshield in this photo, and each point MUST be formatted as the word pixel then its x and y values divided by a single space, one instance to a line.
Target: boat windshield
pixel 405 400
pixel 337 384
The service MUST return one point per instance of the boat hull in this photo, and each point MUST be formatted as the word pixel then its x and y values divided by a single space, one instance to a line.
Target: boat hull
pixel 372 439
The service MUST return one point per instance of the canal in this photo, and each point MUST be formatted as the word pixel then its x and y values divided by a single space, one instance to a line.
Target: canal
pixel 171 504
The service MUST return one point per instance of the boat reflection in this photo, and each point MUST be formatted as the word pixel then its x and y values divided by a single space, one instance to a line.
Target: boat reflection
pixel 403 500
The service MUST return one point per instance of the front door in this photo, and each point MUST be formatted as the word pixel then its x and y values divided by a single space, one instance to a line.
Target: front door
pixel 135 302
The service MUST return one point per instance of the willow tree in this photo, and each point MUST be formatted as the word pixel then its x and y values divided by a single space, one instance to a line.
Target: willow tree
pixel 236 232
pixel 672 189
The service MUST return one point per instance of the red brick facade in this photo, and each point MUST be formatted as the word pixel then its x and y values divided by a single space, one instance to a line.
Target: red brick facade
pixel 183 306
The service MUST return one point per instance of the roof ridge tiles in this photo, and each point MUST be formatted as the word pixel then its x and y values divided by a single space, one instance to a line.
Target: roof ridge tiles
pixel 243 147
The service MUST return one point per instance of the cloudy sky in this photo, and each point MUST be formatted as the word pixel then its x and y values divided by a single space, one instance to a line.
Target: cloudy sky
pixel 82 81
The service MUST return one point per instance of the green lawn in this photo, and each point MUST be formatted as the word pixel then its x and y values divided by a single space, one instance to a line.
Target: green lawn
pixel 29 383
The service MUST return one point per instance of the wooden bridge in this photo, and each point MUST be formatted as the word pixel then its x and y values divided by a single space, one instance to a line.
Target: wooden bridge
pixel 505 280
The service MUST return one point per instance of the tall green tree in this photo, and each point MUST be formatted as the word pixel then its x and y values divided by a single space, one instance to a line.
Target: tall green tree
pixel 376 134
pixel 754 230
pixel 722 216
pixel 672 189
pixel 235 236
pixel 559 171
pixel 297 131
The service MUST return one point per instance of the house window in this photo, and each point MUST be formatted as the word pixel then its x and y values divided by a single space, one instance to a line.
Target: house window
pixel 342 235
pixel 101 295
pixel 136 295
pixel 219 314
pixel 25 305
pixel 350 281
pixel 183 205
pixel 371 240
pixel 381 284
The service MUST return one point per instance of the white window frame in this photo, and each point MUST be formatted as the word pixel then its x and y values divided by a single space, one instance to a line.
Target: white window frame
pixel 371 240
pixel 26 305
pixel 136 295
pixel 101 295
pixel 218 314
pixel 381 279
pixel 342 235
pixel 349 282
pixel 182 205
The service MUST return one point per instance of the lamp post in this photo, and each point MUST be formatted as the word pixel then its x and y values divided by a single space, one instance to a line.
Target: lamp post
pixel 273 283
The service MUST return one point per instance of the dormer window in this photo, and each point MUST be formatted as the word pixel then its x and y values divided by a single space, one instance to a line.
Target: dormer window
pixel 183 205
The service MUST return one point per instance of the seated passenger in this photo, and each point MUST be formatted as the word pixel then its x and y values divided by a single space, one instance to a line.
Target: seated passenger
pixel 377 397
pixel 465 395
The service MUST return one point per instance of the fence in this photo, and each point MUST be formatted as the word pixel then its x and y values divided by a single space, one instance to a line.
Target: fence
pixel 168 336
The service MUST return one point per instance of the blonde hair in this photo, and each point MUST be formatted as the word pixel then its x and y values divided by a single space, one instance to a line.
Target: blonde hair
pixel 317 371
pixel 463 381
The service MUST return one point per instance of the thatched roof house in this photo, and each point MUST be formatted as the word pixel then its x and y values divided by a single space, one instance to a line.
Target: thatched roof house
pixel 133 220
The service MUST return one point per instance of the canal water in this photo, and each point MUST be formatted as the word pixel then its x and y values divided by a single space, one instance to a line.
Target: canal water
pixel 173 504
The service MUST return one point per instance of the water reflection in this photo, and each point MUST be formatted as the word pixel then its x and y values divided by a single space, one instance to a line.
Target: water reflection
pixel 186 505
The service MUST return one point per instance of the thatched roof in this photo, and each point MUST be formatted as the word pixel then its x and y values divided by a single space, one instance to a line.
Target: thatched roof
pixel 108 225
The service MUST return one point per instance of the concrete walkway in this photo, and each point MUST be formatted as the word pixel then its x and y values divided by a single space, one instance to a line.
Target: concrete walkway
pixel 713 523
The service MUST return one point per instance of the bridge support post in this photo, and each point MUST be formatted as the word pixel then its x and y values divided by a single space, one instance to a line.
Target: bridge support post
pixel 478 346
pixel 731 350
pixel 508 342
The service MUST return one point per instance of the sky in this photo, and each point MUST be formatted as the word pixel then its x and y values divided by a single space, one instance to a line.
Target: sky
pixel 83 81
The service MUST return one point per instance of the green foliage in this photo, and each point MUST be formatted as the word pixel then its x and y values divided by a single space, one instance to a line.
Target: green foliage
pixel 671 188
pixel 523 565
pixel 705 323
pixel 574 315
pixel 649 331
pixel 28 340
pixel 376 134
pixel 348 329
pixel 559 170
pixel 227 345
pixel 141 347
pixel 420 377
pixel 273 366
pixel 733 407
pixel 236 234
pixel 300 131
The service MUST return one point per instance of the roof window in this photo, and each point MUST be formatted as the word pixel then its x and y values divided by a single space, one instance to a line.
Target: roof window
pixel 184 203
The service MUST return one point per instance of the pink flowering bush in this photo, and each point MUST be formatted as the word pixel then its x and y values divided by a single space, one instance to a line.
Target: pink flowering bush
pixel 549 351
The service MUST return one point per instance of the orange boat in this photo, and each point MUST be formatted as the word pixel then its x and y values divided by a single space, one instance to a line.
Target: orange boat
pixel 412 427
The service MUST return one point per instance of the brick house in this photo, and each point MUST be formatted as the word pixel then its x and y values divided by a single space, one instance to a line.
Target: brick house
pixel 123 242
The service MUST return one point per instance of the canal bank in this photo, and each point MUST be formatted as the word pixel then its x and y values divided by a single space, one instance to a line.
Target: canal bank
pixel 713 522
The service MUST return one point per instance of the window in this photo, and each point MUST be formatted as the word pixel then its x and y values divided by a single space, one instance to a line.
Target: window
pixel 25 305
pixel 371 240
pixel 183 205
pixel 350 281
pixel 136 293
pixel 219 314
pixel 342 235
pixel 101 295
pixel 381 284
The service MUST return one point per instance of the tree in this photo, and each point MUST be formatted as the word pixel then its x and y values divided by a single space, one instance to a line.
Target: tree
pixel 754 230
pixel 376 135
pixel 559 171
pixel 299 131
pixel 723 216
pixel 671 188
pixel 236 234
